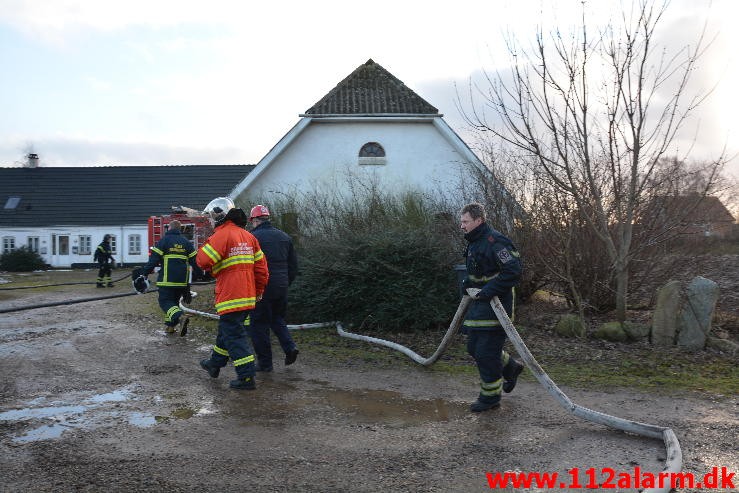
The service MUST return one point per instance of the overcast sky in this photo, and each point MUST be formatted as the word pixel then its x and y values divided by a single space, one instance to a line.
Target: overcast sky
pixel 97 82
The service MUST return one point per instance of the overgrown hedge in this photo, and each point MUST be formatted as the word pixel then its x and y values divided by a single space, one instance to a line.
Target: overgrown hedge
pixel 394 279
pixel 21 260
pixel 370 258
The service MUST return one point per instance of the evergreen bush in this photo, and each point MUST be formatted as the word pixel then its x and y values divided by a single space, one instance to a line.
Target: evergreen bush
pixel 21 260
pixel 392 279
pixel 372 259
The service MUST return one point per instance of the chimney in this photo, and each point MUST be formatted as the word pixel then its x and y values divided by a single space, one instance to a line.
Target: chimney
pixel 32 160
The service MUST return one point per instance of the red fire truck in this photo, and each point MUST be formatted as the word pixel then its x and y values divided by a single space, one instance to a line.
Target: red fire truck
pixel 196 226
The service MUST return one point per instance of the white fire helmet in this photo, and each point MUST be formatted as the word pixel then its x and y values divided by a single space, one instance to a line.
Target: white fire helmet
pixel 218 208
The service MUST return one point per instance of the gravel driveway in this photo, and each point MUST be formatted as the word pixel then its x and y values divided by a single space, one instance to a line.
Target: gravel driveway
pixel 94 396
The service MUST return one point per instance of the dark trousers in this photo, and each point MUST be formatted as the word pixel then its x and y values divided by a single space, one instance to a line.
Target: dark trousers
pixel 486 347
pixel 169 302
pixel 269 314
pixel 104 273
pixel 233 343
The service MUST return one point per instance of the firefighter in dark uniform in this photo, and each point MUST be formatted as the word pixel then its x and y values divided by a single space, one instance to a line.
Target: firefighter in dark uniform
pixel 269 312
pixel 104 257
pixel 175 254
pixel 494 266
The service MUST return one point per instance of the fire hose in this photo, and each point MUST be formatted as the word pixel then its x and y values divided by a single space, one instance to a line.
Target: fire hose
pixel 674 457
pixel 59 284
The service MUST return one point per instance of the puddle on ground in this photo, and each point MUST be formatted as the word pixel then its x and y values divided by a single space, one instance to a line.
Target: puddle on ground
pixel 184 413
pixel 280 402
pixel 58 417
pixel 390 408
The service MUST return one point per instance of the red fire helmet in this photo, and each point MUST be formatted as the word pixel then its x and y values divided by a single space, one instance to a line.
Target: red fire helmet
pixel 258 211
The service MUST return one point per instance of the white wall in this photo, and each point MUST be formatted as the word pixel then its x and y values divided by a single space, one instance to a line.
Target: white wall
pixel 48 235
pixel 418 157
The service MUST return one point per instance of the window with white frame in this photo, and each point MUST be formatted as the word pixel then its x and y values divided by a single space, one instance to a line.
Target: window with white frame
pixel 134 244
pixel 8 244
pixel 113 244
pixel 33 243
pixel 85 244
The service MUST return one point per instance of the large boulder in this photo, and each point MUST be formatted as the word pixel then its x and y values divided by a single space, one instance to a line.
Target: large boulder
pixel 696 313
pixel 664 319
pixel 636 331
pixel 724 345
pixel 570 325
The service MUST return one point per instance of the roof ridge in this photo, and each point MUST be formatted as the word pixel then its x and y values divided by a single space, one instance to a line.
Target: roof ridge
pixel 371 89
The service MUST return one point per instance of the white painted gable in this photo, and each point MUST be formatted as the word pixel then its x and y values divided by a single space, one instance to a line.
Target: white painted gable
pixel 421 153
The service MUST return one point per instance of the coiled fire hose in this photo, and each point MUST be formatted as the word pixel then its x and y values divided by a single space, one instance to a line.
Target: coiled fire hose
pixel 674 460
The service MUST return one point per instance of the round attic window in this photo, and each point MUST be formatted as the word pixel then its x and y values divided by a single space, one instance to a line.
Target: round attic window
pixel 372 153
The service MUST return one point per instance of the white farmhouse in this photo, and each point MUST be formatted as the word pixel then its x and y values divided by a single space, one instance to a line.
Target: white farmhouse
pixel 370 126
pixel 62 213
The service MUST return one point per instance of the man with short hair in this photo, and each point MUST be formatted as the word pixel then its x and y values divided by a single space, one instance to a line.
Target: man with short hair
pixel 175 254
pixel 494 266
pixel 269 312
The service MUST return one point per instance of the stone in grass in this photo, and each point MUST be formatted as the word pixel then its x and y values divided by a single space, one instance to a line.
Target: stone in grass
pixel 570 325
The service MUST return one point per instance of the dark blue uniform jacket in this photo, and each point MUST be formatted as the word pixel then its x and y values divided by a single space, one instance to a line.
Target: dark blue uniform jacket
pixel 493 265
pixel 103 253
pixel 173 253
pixel 282 261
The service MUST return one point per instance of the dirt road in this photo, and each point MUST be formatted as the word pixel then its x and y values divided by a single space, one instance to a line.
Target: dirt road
pixel 95 397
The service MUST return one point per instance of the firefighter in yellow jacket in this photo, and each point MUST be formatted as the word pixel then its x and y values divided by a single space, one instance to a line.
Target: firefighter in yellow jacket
pixel 235 260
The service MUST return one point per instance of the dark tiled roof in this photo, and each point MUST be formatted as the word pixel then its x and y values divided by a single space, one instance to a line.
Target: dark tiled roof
pixel 109 195
pixel 371 89
pixel 696 209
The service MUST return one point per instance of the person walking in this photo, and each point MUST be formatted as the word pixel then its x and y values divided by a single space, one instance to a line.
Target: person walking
pixel 175 254
pixel 234 258
pixel 269 312
pixel 104 257
pixel 494 266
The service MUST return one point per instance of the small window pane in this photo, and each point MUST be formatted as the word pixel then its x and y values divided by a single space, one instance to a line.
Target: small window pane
pixel 134 244
pixel 85 244
pixel 8 244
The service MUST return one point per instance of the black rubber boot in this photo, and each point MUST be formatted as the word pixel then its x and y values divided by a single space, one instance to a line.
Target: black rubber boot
pixel 183 321
pixel 263 368
pixel 291 356
pixel 510 380
pixel 479 406
pixel 243 383
pixel 213 371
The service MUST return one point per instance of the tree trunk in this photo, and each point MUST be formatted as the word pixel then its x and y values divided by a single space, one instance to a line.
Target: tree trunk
pixel 622 282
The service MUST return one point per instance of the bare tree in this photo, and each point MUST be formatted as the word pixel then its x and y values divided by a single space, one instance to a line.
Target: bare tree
pixel 596 114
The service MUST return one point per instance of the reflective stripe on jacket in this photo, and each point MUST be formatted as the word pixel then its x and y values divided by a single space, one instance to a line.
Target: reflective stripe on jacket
pixel 103 253
pixel 233 256
pixel 173 253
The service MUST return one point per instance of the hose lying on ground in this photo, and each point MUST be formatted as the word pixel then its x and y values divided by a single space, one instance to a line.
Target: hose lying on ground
pixel 61 284
pixel 674 460
pixel 69 302
pixel 453 327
